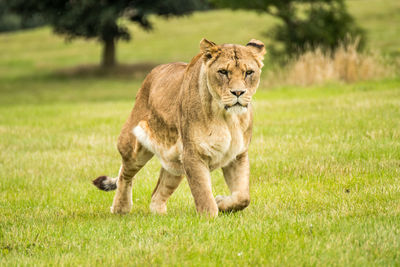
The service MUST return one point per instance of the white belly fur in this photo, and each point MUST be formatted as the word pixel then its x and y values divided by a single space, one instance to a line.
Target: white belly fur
pixel 170 157
pixel 221 148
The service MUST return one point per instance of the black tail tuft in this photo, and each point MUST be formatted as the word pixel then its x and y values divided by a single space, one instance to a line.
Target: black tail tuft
pixel 105 183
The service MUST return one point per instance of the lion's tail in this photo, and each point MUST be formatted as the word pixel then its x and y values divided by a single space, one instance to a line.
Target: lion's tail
pixel 105 183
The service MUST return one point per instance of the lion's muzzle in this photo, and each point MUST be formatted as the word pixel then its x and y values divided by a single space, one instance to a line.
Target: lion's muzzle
pixel 237 104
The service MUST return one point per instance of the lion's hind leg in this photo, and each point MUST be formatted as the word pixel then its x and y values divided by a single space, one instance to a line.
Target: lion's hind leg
pixel 131 165
pixel 166 185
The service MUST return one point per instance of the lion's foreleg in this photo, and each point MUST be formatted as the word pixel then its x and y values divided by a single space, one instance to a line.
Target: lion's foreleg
pixel 236 175
pixel 199 180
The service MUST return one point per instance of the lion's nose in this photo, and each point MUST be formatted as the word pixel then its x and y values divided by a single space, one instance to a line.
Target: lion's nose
pixel 238 92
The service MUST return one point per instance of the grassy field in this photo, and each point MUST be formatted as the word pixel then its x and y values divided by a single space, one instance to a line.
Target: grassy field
pixel 325 186
pixel 325 161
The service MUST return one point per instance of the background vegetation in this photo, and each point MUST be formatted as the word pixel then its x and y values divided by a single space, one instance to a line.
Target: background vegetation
pixel 304 24
pixel 325 160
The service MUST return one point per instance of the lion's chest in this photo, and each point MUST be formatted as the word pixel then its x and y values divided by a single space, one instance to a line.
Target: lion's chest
pixel 221 145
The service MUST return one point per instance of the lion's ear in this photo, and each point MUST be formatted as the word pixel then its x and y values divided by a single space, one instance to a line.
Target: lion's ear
pixel 257 47
pixel 206 45
pixel 208 48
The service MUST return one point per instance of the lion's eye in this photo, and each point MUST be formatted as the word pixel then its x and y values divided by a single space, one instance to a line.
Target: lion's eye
pixel 249 72
pixel 223 72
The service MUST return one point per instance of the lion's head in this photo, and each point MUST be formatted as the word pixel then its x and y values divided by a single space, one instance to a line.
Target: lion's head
pixel 233 72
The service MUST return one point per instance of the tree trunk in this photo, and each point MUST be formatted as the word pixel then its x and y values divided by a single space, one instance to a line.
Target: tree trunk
pixel 108 59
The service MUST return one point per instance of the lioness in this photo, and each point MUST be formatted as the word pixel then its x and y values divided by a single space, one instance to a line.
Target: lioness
pixel 195 118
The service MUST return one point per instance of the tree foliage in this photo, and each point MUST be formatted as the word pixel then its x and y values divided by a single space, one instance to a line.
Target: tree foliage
pixel 102 19
pixel 305 23
pixel 12 21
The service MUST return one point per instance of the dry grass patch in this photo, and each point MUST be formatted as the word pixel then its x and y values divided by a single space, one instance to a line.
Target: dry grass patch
pixel 345 64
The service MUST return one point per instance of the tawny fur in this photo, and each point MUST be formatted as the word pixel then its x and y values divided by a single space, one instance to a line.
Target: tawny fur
pixel 195 118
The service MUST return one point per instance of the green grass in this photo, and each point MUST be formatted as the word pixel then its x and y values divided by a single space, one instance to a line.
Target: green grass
pixel 325 160
pixel 325 186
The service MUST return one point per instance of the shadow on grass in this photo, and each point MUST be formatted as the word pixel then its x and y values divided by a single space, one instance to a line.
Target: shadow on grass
pixel 84 83
pixel 136 70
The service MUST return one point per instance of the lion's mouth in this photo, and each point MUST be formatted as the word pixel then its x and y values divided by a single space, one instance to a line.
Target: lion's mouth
pixel 236 104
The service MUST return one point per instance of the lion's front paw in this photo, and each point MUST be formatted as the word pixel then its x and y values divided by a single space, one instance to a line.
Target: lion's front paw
pixel 158 208
pixel 118 209
pixel 222 202
pixel 232 203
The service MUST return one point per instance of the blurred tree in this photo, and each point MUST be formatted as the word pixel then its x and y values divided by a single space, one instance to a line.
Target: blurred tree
pixel 103 19
pixel 11 21
pixel 305 23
